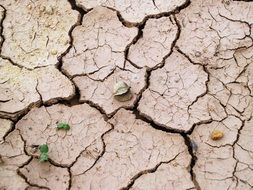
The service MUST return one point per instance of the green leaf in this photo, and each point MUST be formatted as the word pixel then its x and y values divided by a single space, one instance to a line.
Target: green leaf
pixel 63 126
pixel 43 148
pixel 43 157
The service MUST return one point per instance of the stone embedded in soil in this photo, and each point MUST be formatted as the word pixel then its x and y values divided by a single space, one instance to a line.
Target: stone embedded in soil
pixel 135 11
pixel 5 126
pixel 37 32
pixel 173 88
pixel 46 175
pixel 101 92
pixel 12 156
pixel 155 43
pixel 22 88
pixel 98 45
pixel 130 140
pixel 39 126
pixel 215 164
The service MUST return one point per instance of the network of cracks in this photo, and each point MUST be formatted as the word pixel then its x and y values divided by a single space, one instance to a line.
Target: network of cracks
pixel 189 68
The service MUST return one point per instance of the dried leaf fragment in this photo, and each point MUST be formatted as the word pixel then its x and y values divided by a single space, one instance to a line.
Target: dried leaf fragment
pixel 122 92
pixel 120 88
pixel 217 135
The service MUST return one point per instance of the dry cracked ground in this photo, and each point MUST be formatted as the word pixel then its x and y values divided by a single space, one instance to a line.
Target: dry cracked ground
pixel 189 66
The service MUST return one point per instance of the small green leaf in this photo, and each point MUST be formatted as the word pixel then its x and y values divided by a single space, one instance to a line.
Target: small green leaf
pixel 43 148
pixel 43 157
pixel 63 126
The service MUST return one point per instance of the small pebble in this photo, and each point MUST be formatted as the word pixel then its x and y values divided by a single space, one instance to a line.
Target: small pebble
pixel 42 9
pixel 217 135
pixel 29 6
pixel 49 10
pixel 197 54
pixel 54 52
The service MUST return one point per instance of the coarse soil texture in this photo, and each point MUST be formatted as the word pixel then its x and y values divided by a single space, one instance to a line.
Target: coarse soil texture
pixel 182 118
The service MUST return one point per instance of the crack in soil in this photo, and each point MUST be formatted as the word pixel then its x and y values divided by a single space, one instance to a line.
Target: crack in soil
pixel 102 153
pixel 70 179
pixel 156 16
pixel 3 39
pixel 151 170
pixel 2 28
pixel 76 97
pixel 194 158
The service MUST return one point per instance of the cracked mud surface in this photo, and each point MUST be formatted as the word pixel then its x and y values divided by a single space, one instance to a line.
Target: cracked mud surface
pixel 135 11
pixel 135 139
pixel 36 32
pixel 172 90
pixel 20 88
pixel 189 66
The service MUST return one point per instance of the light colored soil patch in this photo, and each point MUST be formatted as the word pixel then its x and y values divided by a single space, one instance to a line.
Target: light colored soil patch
pixel 216 164
pixel 155 44
pixel 213 35
pixel 36 32
pixel 12 156
pixel 87 158
pixel 207 108
pixel 5 126
pixel 99 45
pixel 46 175
pixel 223 44
pixel 135 11
pixel 101 92
pixel 172 90
pixel 168 176
pixel 243 154
pixel 35 188
pixel 187 125
pixel 39 126
pixel 22 88
pixel 130 140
